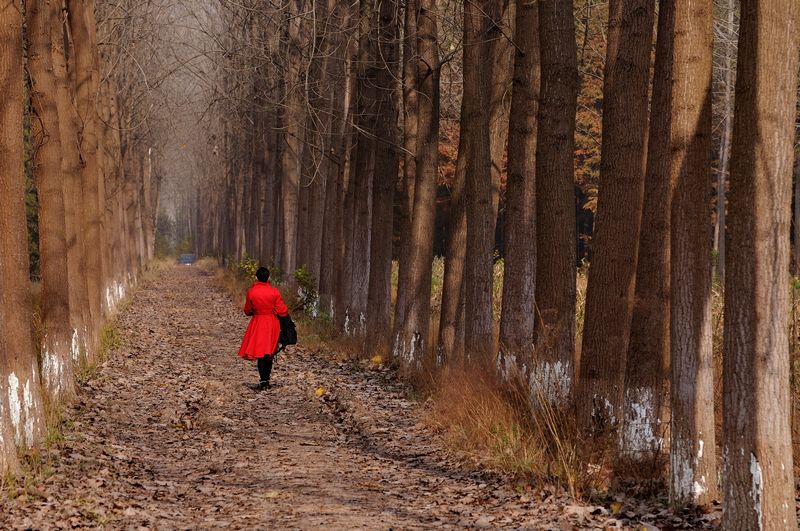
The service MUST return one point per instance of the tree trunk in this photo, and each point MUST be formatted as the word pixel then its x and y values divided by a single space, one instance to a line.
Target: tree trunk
pixel 692 457
pixel 758 472
pixel 643 432
pixel 478 324
pixel 363 170
pixel 73 194
pixel 83 72
pixel 56 327
pixel 501 32
pixel 518 316
pixel 19 366
pixel 552 378
pixel 451 319
pixel 293 137
pixel 410 341
pixel 410 119
pixel 22 418
pixel 344 268
pixel 612 275
pixel 383 186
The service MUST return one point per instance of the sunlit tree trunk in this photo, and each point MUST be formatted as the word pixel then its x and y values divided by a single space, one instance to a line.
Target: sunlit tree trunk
pixel 612 275
pixel 693 474
pixel 82 72
pixel 22 417
pixel 73 196
pixel 56 326
pixel 759 486
pixel 641 442
pixel 410 341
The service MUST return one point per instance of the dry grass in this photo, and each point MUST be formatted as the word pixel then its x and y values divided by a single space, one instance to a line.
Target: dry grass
pixel 502 427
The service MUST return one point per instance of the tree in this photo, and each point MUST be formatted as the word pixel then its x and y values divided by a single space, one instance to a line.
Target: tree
pixel 518 317
pixel 758 470
pixel 410 110
pixel 293 136
pixel 22 414
pixel 410 339
pixel 553 374
pixel 73 194
pixel 692 459
pixel 612 274
pixel 478 186
pixel 643 423
pixel 84 74
pixel 57 343
pixel 386 171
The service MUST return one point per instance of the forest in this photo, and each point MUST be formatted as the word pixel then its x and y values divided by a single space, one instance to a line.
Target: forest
pixel 572 227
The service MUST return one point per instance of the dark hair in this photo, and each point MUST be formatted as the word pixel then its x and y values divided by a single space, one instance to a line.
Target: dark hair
pixel 262 274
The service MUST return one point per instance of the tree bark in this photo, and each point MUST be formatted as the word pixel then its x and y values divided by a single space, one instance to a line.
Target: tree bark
pixel 73 195
pixel 410 120
pixel 518 316
pixel 451 319
pixel 612 274
pixel 363 168
pixel 692 457
pixel 22 418
pixel 383 186
pixel 293 137
pixel 552 378
pixel 758 470
pixel 478 186
pixel 57 345
pixel 83 72
pixel 410 341
pixel 641 442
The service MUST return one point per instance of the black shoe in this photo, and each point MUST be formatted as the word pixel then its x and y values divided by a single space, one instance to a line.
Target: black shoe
pixel 264 385
pixel 258 387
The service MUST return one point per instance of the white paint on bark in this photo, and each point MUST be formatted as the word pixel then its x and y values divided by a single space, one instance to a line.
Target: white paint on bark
pixel 638 438
pixel 52 367
pixel 603 409
pixel 506 364
pixel 550 381
pixel 14 405
pixel 27 403
pixel 75 348
pixel 757 490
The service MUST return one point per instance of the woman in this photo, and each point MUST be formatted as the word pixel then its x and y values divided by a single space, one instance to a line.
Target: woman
pixel 264 303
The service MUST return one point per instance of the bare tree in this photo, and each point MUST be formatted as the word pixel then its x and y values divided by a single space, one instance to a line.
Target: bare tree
pixel 692 459
pixel 411 330
pixel 57 348
pixel 24 416
pixel 758 470
pixel 553 376
pixel 641 442
pixel 612 274
pixel 518 317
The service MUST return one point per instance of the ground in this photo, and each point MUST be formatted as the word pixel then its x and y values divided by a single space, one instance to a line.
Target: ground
pixel 166 436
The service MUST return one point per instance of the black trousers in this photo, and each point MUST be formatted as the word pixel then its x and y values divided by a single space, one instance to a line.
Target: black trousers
pixel 265 368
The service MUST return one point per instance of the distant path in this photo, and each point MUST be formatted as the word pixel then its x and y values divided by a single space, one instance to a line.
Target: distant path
pixel 166 436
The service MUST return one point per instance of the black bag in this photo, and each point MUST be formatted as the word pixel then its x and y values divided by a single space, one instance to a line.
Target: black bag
pixel 288 335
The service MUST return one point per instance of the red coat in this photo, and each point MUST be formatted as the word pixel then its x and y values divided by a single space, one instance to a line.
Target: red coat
pixel 264 303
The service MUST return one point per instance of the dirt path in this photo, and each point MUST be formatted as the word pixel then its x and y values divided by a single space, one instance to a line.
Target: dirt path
pixel 167 437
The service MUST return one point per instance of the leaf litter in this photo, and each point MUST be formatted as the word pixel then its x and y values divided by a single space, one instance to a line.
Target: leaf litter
pixel 167 437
